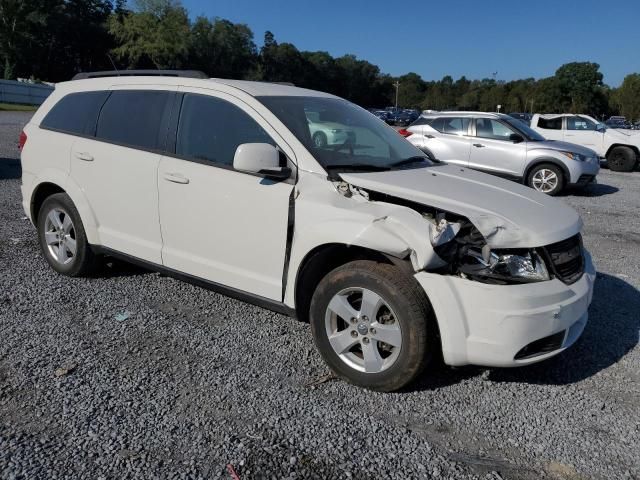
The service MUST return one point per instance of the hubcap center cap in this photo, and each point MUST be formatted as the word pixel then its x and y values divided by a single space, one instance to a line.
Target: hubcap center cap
pixel 362 328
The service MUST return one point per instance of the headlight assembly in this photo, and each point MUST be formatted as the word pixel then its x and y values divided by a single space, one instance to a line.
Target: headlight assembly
pixel 574 156
pixel 505 266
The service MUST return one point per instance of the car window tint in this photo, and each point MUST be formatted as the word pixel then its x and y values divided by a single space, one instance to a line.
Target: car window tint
pixel 580 123
pixel 76 113
pixel 212 129
pixel 455 126
pixel 438 124
pixel 422 121
pixel 133 118
pixel 489 128
pixel 550 123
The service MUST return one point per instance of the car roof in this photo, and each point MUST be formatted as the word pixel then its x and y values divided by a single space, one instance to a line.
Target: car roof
pixel 465 114
pixel 254 89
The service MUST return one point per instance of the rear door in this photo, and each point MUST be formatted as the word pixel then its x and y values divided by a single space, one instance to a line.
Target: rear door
pixel 494 151
pixel 448 139
pixel 550 128
pixel 117 169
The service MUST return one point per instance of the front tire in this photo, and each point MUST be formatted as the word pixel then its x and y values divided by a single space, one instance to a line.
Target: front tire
pixel 621 159
pixel 62 237
pixel 373 325
pixel 546 178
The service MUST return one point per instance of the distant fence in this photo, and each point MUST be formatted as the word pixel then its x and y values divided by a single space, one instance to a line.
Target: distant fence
pixel 25 93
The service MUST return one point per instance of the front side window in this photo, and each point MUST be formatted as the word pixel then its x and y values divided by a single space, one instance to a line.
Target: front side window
pixel 580 123
pixel 211 129
pixel 550 123
pixel 493 129
pixel 341 135
pixel 133 118
pixel 76 113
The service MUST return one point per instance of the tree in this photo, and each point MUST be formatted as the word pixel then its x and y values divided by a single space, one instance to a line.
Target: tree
pixel 628 97
pixel 579 84
pixel 156 34
pixel 222 49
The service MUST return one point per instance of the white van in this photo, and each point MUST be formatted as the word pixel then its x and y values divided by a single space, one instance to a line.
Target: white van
pixel 390 257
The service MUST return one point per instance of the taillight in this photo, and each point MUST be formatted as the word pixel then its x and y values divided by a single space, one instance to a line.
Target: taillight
pixel 22 141
pixel 405 133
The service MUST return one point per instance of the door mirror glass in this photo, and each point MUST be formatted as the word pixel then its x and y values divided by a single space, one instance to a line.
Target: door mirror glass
pixel 601 127
pixel 260 158
pixel 516 138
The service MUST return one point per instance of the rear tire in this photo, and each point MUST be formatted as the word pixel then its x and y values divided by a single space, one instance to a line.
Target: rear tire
pixel 621 159
pixel 62 237
pixel 396 310
pixel 546 178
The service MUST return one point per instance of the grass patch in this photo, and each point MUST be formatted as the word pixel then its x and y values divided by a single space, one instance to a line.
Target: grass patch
pixel 13 107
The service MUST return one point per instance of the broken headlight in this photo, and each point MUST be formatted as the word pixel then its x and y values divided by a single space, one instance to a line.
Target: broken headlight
pixel 504 266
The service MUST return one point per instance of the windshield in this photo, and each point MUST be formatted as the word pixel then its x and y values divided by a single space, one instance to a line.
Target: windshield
pixel 341 135
pixel 528 133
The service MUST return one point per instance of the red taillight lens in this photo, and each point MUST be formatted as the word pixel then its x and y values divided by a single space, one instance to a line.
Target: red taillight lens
pixel 22 141
pixel 405 133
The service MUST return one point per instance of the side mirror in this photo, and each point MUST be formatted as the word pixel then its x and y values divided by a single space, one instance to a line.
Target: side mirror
pixel 260 158
pixel 600 127
pixel 516 138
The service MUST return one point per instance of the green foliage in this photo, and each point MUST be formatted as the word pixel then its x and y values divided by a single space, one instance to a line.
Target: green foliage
pixel 54 39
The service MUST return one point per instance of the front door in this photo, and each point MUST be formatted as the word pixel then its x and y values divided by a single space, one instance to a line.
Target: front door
pixel 218 223
pixel 582 131
pixel 493 149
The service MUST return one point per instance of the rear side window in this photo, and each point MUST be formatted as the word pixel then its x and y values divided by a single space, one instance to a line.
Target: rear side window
pixel 76 113
pixel 456 126
pixel 135 118
pixel 422 121
pixel 550 123
pixel 211 129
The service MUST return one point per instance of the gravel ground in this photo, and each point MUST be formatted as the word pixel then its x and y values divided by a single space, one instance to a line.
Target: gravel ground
pixel 133 374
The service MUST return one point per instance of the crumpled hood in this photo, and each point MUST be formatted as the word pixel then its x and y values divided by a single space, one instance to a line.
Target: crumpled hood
pixel 508 214
pixel 562 147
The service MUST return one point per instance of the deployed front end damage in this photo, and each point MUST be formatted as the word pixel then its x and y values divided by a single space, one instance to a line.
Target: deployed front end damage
pixel 494 306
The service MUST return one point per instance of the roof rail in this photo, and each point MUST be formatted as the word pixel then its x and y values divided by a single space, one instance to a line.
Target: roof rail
pixel 141 73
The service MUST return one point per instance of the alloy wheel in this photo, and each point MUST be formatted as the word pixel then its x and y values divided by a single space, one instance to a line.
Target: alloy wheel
pixel 60 236
pixel 545 180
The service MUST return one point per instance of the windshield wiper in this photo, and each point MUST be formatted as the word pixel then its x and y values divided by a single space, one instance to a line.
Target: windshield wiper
pixel 409 161
pixel 357 166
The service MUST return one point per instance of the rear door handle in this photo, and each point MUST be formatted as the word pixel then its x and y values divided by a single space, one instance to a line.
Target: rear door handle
pixel 429 136
pixel 176 178
pixel 87 157
pixel 479 145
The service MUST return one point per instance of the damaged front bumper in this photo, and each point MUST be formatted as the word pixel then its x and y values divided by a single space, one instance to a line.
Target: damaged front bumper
pixel 507 325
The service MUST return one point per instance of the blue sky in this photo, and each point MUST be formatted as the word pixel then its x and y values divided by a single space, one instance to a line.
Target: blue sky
pixel 460 37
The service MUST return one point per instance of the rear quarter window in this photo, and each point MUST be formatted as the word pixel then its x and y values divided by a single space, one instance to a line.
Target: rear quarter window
pixel 134 118
pixel 76 113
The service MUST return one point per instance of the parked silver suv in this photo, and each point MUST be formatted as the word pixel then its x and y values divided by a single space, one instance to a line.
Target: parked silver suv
pixel 502 145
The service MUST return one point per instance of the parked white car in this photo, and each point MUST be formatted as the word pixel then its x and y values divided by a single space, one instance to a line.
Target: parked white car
pixel 325 132
pixel 502 145
pixel 391 258
pixel 620 148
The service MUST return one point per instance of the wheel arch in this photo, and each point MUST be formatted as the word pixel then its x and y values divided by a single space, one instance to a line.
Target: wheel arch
pixel 324 258
pixel 632 147
pixel 547 160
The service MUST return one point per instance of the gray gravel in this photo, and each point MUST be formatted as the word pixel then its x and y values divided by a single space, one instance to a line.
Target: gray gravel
pixel 189 381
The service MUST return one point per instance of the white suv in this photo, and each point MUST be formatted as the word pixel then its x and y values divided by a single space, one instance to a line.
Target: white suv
pixel 390 257
pixel 621 148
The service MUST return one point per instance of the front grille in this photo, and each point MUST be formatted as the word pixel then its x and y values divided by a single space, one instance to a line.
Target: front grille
pixel 566 259
pixel 542 346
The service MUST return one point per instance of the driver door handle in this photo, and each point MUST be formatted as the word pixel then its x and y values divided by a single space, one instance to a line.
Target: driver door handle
pixel 87 157
pixel 479 145
pixel 176 178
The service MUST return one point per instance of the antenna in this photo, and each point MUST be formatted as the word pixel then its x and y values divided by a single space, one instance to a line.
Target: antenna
pixel 114 65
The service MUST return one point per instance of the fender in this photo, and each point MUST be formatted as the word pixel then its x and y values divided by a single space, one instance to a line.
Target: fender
pixel 64 181
pixel 538 160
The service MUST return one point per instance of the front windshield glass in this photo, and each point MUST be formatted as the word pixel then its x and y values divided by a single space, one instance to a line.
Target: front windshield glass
pixel 341 135
pixel 530 134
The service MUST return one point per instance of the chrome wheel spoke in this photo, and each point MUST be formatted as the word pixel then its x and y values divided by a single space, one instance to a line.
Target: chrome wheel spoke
pixel 63 255
pixel 70 243
pixel 342 341
pixel 341 307
pixel 51 238
pixel 371 303
pixel 387 333
pixel 67 224
pixel 372 360
pixel 54 218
